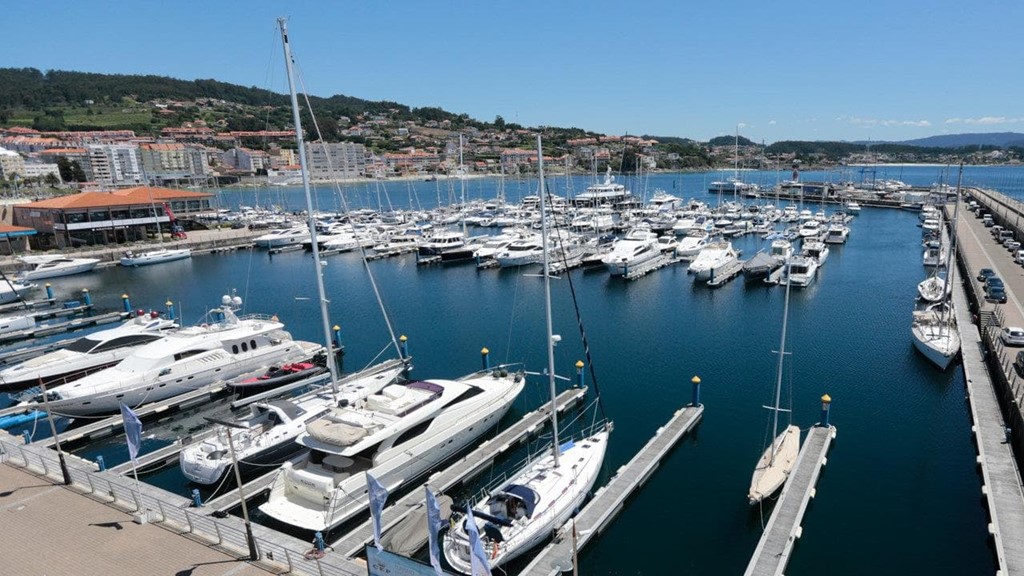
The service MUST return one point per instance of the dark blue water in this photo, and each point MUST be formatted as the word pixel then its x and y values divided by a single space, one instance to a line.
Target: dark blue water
pixel 900 492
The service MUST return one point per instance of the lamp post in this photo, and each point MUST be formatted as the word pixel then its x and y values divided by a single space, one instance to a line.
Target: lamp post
pixel 56 438
pixel 254 553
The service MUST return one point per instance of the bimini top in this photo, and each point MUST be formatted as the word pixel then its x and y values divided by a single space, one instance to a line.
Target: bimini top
pixel 518 494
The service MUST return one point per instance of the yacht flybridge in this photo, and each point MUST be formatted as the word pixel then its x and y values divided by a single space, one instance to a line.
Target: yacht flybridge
pixel 227 347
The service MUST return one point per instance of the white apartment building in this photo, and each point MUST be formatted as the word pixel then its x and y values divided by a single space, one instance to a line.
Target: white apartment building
pixel 173 161
pixel 11 163
pixel 335 160
pixel 116 164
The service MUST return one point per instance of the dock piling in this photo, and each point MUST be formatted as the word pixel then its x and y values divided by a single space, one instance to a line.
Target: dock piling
pixel 197 499
pixel 86 297
pixel 170 310
pixel 404 344
pixel 49 291
pixel 26 436
pixel 579 373
pixel 826 403
pixel 127 303
pixel 485 358
pixel 695 401
pixel 101 463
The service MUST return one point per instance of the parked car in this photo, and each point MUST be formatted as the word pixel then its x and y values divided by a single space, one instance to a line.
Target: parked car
pixel 1019 256
pixel 1012 245
pixel 996 295
pixel 985 273
pixel 994 282
pixel 1012 336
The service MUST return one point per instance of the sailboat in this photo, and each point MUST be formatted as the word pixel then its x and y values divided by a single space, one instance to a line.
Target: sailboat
pixel 780 456
pixel 934 329
pixel 522 511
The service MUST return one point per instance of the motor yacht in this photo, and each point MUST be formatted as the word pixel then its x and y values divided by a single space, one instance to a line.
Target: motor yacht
pixel 715 257
pixel 14 290
pixel 286 237
pixel 53 267
pixel 396 435
pixel 801 270
pixel 690 246
pixel 267 433
pixel 815 249
pixel 227 347
pixel 87 354
pixel 637 247
pixel 158 256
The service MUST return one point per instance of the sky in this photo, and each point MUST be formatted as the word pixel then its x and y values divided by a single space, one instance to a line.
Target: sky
pixel 783 70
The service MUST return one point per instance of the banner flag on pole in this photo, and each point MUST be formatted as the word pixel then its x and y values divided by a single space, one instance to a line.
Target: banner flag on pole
pixel 477 556
pixel 132 431
pixel 434 525
pixel 378 495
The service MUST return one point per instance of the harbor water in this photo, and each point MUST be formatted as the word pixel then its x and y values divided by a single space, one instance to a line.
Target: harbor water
pixel 900 492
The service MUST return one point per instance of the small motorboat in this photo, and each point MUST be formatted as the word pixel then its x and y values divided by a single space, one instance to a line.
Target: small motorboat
pixel 277 376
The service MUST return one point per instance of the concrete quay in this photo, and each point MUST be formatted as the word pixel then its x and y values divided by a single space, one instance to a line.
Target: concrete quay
pixel 993 387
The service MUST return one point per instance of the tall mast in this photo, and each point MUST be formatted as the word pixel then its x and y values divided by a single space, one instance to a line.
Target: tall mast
pixel 950 269
pixel 778 376
pixel 309 202
pixel 547 301
pixel 462 188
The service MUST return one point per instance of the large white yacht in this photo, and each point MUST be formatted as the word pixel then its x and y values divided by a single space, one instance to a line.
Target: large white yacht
pixel 690 246
pixel 186 360
pixel 268 432
pixel 607 192
pixel 157 256
pixel 87 354
pixel 524 250
pixel 712 259
pixel 638 246
pixel 815 249
pixel 396 435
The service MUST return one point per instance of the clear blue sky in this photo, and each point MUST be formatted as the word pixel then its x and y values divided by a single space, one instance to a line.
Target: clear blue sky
pixel 781 70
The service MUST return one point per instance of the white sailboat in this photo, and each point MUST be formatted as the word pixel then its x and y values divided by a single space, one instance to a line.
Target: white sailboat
pixel 539 498
pixel 934 330
pixel 780 456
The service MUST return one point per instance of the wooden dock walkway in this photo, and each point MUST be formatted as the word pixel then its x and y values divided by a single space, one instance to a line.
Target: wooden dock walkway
pixel 353 542
pixel 42 330
pixel 726 274
pixel 776 546
pixel 646 268
pixel 609 500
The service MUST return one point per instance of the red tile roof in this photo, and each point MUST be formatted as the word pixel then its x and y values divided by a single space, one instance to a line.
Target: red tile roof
pixel 127 197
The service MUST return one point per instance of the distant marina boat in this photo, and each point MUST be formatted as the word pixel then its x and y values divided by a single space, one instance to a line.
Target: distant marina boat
pixel 286 237
pixel 639 246
pixel 712 259
pixel 55 266
pixel 158 256
pixel 801 271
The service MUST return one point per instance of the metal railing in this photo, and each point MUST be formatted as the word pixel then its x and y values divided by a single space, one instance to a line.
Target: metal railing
pixel 121 493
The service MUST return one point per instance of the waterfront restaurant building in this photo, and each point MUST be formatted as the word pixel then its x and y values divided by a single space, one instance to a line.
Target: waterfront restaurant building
pixel 90 218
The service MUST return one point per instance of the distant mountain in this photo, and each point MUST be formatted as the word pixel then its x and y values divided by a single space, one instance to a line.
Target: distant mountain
pixel 997 139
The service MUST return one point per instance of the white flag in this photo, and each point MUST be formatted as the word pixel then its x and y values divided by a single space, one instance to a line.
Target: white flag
pixel 477 556
pixel 378 495
pixel 132 431
pixel 434 525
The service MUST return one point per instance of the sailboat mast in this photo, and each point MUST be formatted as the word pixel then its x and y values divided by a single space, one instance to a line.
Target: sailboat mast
pixel 547 300
pixel 948 284
pixel 462 188
pixel 778 376
pixel 309 202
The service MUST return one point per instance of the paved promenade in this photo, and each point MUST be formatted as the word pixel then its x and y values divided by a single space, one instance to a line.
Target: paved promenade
pixel 49 529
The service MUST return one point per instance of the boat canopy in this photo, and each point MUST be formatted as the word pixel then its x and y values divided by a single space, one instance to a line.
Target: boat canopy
pixel 514 495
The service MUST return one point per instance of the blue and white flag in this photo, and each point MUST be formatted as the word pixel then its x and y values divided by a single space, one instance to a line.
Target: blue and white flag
pixel 378 496
pixel 434 525
pixel 132 431
pixel 477 557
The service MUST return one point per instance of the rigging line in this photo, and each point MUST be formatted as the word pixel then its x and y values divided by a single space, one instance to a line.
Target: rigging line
pixel 512 320
pixel 344 203
pixel 583 336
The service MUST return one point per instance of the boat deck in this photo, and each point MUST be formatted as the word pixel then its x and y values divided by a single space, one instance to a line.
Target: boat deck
pixel 609 500
pixel 780 535
pixel 353 542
